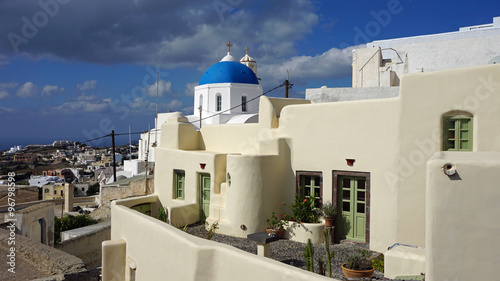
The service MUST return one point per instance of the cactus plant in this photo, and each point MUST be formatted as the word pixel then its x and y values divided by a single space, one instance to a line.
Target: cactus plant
pixel 329 255
pixel 309 256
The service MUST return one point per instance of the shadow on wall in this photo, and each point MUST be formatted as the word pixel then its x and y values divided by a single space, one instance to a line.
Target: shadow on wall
pixel 343 227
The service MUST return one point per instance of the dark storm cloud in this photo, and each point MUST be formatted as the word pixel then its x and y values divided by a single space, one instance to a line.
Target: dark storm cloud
pixel 169 33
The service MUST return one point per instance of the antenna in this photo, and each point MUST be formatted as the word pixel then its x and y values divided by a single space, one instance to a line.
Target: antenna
pixel 147 152
pixel 156 121
pixel 130 142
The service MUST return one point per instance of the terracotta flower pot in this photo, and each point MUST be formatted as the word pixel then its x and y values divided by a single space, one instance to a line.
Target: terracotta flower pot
pixel 352 273
pixel 277 231
pixel 328 221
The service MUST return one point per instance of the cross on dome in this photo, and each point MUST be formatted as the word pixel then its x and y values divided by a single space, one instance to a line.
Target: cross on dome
pixel 229 45
pixel 247 49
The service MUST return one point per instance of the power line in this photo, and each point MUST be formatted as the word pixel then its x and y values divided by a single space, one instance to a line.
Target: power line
pixel 157 129
pixel 236 106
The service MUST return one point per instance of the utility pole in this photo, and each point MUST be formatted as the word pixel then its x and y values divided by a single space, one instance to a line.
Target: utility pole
pixel 287 84
pixel 114 154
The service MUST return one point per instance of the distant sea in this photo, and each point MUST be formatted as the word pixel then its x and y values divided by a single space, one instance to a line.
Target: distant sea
pixel 6 144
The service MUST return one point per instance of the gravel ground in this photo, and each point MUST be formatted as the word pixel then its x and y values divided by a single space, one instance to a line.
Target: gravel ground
pixel 290 252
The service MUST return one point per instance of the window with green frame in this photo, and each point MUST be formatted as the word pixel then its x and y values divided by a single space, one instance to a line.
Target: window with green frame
pixel 457 133
pixel 179 181
pixel 310 185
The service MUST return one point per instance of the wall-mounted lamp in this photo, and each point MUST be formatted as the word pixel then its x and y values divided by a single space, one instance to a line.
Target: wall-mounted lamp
pixel 202 166
pixel 350 162
pixel 449 169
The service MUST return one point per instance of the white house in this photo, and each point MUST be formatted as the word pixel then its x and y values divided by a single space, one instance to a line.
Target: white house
pixel 390 165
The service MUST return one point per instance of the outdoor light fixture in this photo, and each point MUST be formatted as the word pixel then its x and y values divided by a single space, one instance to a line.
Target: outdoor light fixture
pixel 350 162
pixel 449 169
pixel 202 166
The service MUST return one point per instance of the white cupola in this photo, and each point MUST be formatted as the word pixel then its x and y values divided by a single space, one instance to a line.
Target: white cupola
pixel 249 61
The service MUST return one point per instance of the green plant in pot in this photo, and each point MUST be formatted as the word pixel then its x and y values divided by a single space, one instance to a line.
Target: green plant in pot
pixel 329 213
pixel 275 225
pixel 358 265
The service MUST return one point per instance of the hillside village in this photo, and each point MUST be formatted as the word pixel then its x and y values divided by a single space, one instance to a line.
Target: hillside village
pixel 408 157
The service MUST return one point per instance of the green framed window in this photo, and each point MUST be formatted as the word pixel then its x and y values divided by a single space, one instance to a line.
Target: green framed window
pixel 457 133
pixel 179 184
pixel 310 185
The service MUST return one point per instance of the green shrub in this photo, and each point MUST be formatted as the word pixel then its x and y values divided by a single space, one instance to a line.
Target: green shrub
pixel 69 222
pixel 378 263
pixel 93 189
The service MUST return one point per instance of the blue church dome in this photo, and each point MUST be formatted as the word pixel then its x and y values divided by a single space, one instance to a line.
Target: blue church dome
pixel 229 72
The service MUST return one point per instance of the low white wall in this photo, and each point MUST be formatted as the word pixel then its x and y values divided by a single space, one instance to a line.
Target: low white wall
pixel 320 95
pixel 462 219
pixel 404 261
pixel 304 231
pixel 181 215
pixel 162 252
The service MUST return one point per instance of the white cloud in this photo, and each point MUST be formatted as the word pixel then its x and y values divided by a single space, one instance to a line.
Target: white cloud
pixel 87 85
pixel 4 60
pixel 50 91
pixel 334 63
pixel 7 110
pixel 4 93
pixel 163 88
pixel 80 105
pixel 28 90
pixel 173 105
pixel 189 91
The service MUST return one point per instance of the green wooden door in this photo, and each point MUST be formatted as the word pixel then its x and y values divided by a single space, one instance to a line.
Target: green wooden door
pixel 352 202
pixel 204 196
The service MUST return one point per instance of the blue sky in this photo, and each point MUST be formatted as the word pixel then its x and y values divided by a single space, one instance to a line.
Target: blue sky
pixel 75 70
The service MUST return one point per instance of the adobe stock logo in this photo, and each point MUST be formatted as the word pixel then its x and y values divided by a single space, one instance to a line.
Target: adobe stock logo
pixel 49 8
pixel 223 7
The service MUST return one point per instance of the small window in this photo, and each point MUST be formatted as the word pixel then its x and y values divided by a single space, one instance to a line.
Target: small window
pixel 310 186
pixel 46 190
pixel 244 103
pixel 457 133
pixel 179 181
pixel 219 102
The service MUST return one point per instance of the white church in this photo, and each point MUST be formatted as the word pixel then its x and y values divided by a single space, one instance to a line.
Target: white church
pixel 227 93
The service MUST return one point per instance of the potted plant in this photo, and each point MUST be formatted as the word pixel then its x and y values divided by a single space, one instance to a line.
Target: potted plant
pixel 329 213
pixel 358 265
pixel 275 225
pixel 304 222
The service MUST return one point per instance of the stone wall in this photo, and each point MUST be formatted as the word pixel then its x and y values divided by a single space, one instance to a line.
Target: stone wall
pixel 110 193
pixel 22 194
pixel 88 245
pixel 58 264
pixel 35 222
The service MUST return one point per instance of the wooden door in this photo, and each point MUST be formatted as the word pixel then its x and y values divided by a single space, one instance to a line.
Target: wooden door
pixel 352 198
pixel 204 196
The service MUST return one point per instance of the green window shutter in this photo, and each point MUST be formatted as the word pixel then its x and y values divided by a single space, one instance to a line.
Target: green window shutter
pixel 457 133
pixel 179 185
pixel 309 187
